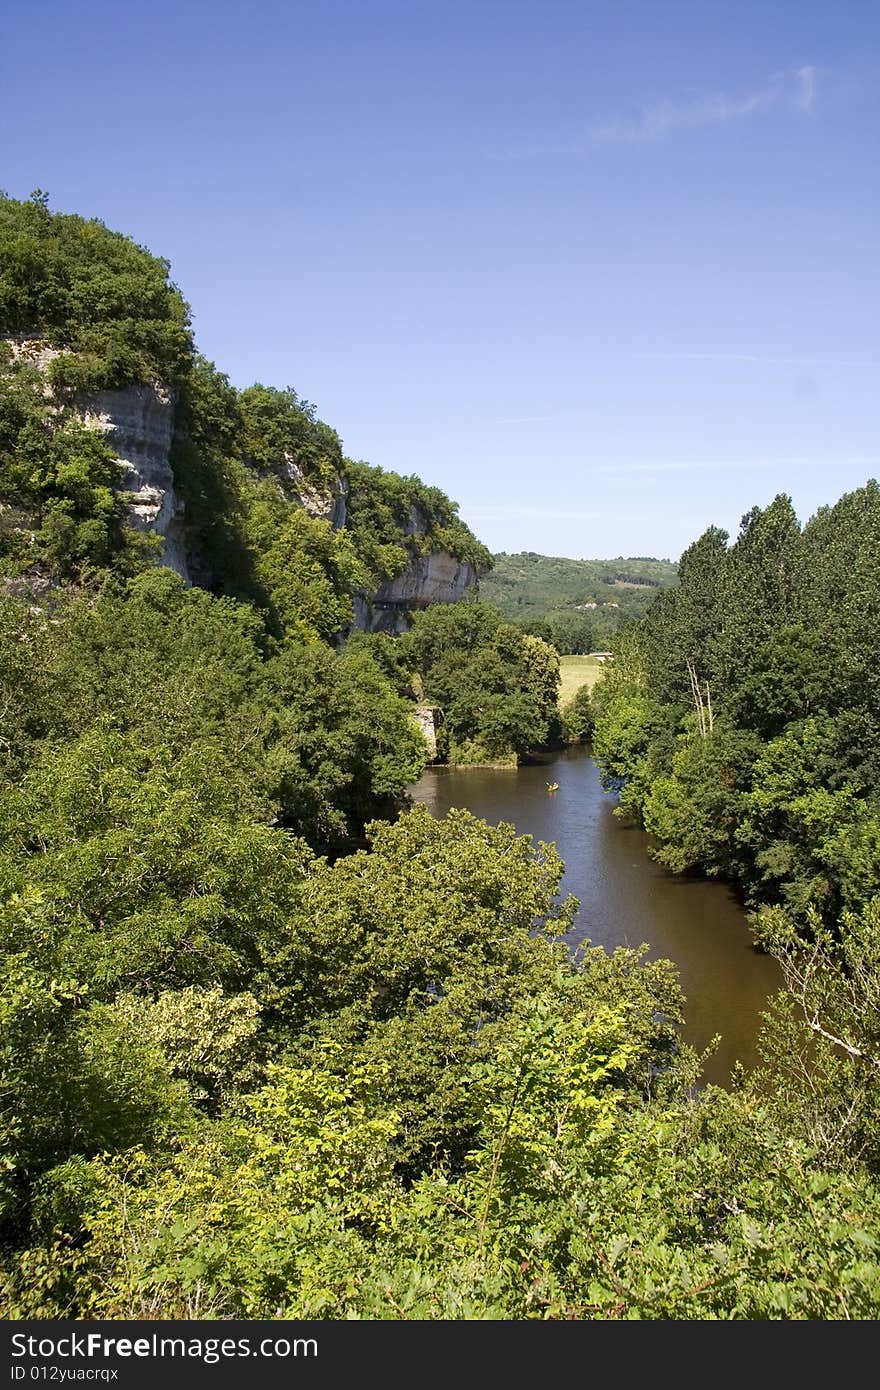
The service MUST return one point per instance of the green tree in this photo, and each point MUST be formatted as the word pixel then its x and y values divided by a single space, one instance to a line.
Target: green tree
pixel 95 292
pixel 695 813
pixel 497 686
pixel 683 623
pixel 571 633
pixel 578 716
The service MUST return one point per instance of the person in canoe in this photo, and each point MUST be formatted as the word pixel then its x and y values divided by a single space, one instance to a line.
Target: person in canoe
pixel 553 786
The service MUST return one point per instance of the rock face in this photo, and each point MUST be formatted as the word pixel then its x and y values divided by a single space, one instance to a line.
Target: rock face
pixel 426 718
pixel 328 505
pixel 138 422
pixel 434 578
pixel 35 351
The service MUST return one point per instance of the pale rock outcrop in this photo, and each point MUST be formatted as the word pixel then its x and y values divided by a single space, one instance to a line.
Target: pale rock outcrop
pixel 138 423
pixel 434 578
pixel 327 505
pixel 426 718
pixel 35 351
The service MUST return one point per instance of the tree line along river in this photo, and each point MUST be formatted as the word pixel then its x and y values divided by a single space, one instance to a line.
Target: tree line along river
pixel 625 898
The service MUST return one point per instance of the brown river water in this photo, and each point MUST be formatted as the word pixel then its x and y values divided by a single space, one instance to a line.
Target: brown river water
pixel 625 898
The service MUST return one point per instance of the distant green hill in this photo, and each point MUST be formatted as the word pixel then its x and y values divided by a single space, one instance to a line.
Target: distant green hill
pixel 578 604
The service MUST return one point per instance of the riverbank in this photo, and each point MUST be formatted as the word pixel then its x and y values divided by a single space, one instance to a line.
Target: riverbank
pixel 625 898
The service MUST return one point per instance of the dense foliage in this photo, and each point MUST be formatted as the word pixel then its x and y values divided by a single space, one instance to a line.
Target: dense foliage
pixel 393 519
pixel 264 482
pixel 239 1081
pixel 273 1046
pixel 578 605
pixel 78 286
pixel 168 677
pixel 496 686
pixel 740 723
pixel 578 716
pixel 378 1089
pixel 742 714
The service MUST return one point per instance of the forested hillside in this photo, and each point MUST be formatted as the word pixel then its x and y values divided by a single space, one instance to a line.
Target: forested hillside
pixel 272 512
pixel 742 713
pixel 578 605
pixel 741 724
pixel 275 1045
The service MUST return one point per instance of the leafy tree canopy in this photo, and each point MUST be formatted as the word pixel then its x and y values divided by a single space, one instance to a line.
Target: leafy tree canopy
pixel 82 287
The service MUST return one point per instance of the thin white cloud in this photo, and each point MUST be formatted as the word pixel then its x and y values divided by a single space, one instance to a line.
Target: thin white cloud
pixel 611 469
pixel 753 357
pixel 502 512
pixel 659 467
pixel 807 93
pixel 793 90
pixel 532 419
pixel 737 466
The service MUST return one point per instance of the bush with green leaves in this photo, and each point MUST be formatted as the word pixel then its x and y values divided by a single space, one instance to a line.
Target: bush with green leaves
pixel 578 715
pixel 497 687
pixel 740 719
pixel 79 286
pixel 61 514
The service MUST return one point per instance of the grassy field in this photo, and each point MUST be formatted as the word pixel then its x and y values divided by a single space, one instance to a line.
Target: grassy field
pixel 576 671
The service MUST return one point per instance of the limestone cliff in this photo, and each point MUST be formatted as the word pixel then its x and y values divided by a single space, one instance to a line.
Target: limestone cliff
pixel 427 716
pixel 434 578
pixel 329 503
pixel 138 422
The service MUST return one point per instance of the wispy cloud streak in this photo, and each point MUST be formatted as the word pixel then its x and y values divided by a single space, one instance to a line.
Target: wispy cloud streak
pixel 795 91
pixel 737 466
pixel 733 467
pixel 478 514
pixel 754 358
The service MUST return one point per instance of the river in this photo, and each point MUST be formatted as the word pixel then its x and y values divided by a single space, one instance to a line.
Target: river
pixel 625 898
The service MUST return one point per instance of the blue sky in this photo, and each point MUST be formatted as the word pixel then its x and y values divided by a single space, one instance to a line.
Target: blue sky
pixel 605 272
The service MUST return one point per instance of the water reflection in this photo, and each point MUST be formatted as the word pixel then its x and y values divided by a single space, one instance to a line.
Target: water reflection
pixel 625 898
